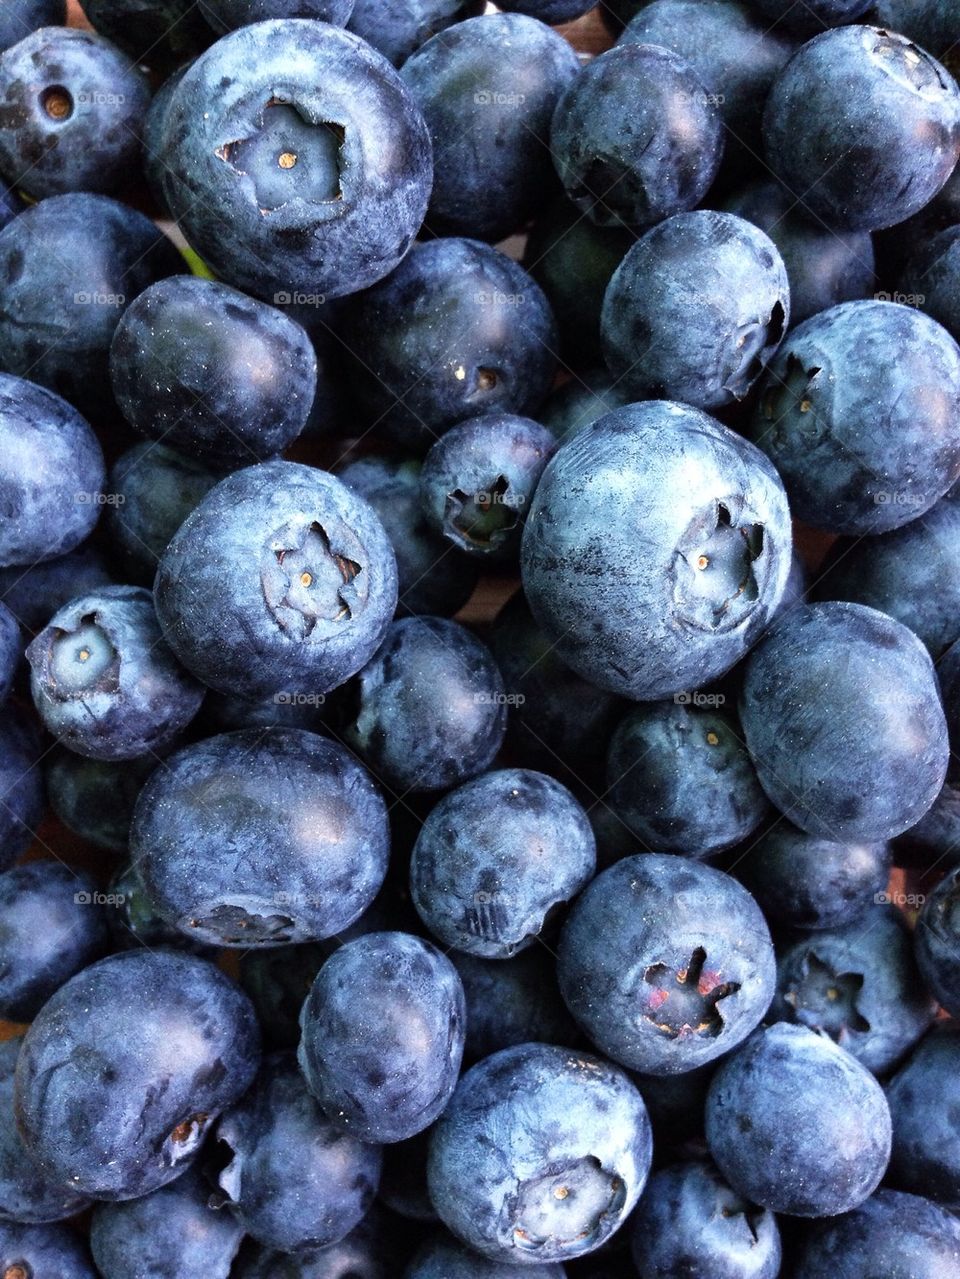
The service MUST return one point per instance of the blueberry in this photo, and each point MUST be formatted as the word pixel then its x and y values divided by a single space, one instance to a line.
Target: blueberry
pixel 579 402
pixel 540 1156
pixel 690 1221
pixel 931 277
pixel 934 842
pixel 126 1068
pixel 430 707
pixel 696 310
pixel 512 1001
pixel 69 266
pixel 154 128
pixel 664 163
pixel 21 786
pixel 848 467
pixel 890 1234
pixel 841 122
pixel 19 17
pixel 810 18
pixel 263 837
pixel 488 88
pixel 73 109
pixel 938 942
pixel 34 592
pixel 43 1252
pixel 296 160
pixel 931 23
pixel 666 963
pixel 294 1179
pixel 362 1254
pixel 458 330
pixel 554 12
pixel 94 798
pixel 443 1258
pixel 228 15
pixel 283 560
pixel 923 1100
pixel 497 859
pixel 842 716
pixel 11 650
pixel 656 549
pixel 397 28
pixel 134 921
pixel 159 33
pixel 382 1036
pixel 681 780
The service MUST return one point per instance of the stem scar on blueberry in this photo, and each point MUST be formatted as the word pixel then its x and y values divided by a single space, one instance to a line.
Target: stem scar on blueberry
pixel 683 1001
pixel 16 1271
pixel 716 583
pixel 56 102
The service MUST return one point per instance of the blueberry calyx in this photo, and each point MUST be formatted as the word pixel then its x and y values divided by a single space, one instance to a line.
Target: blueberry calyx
pixel 683 1002
pixel 715 584
pixel 309 583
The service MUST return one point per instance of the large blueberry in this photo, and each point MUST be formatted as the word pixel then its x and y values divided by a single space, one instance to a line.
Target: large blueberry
pixel 295 160
pixel 938 942
pixel 666 963
pixel 127 1067
pixel 891 1234
pixel 282 579
pixel 399 27
pixel 263 837
pixel 656 549
pixel 19 17
pixel 44 1252
pixel 923 1096
pixel 21 785
pixel 842 715
pixel 444 1258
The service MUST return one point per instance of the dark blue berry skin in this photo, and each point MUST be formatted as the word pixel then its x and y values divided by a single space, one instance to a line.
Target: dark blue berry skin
pixel 938 942
pixel 19 17
pixel 512 1001
pixel 26 1195
pixel 923 1097
pixel 344 213
pixel 934 843
pixel 948 674
pixel 11 650
pixel 892 1234
pixel 841 122
pixel 497 859
pixel 281 580
pixel 152 132
pixel 51 926
pixel 127 1067
pixel 656 550
pixel 431 707
pixel 932 275
pixel 803 881
pixel 488 88
pixel 824 267
pixel 294 1179
pixel 10 204
pixel 382 1036
pixel 458 330
pixel 134 921
pixel 554 12
pixel 665 963
pixel 681 780
pixel 432 576
pixel 931 23
pixel 213 374
pixel 33 592
pixel 158 33
pixel 71 114
pixel 51 474
pixel 477 481
pixel 579 403
pixel 397 28
pixel 68 267
pixel 689 1221
pixel 696 310
pixel 263 837
pixel 21 786
pixel 860 985
pixel 797 1125
pixel 809 19
pixel 95 798
pixel 524 1124
pixel 44 1252
pixel 228 15
pixel 365 1253
pixel 444 1258
pixel 842 715
pixel 663 164
pixel 860 413
pixel 168 1234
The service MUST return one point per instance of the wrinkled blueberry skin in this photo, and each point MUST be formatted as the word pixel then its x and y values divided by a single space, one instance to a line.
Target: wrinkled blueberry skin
pixel 19 17
pixel 860 413
pixel 95 798
pixel 458 330
pixel 334 223
pixel 931 23
pixel 891 1234
pixel 397 28
pixel 88 257
pixel 34 592
pixel 710 353
pixel 127 1066
pixel 50 927
pixel 293 1178
pixel 278 981
pixel 665 963
pixel 282 579
pixel 47 1252
pixel 512 1001
pixel 444 1258
pixel 103 680
pixel 228 15
pixel 71 114
pixel 487 89
pixel 841 123
pixel 478 478
pixel 382 1036
pixel 797 1125
pixel 51 474
pixel 842 716
pixel 860 985
pixel 153 489
pixel 263 837
pixel 26 1195
pixel 168 1234
pixel 938 942
pixel 431 709
pixel 802 881
pixel 667 159
pixel 21 786
pixel 432 577
pixel 497 859
pixel 614 546
pixel 523 1124
pixel 11 650
pixel 214 374
pixel 689 1221
pixel 160 33
pixel 681 779
pixel 923 1096
pixel 824 267
pixel 581 401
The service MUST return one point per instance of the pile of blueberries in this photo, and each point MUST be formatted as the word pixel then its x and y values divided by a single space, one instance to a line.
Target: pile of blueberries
pixel 612 928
